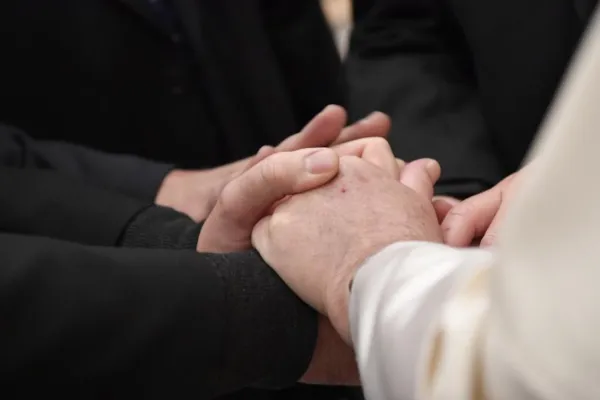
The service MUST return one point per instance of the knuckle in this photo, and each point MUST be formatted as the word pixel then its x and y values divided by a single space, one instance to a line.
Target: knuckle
pixel 460 212
pixel 458 216
pixel 228 199
pixel 278 222
pixel 350 166
pixel 272 169
pixel 379 142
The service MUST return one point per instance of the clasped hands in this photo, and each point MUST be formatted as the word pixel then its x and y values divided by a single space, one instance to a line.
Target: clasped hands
pixel 315 214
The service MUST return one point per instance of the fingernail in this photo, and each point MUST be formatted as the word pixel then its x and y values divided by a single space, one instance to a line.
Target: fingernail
pixel 321 161
pixel 433 169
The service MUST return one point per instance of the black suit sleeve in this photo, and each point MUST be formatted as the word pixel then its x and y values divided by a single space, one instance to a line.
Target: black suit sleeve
pixel 360 9
pixel 126 174
pixel 105 317
pixel 406 59
pixel 50 204
pixel 95 322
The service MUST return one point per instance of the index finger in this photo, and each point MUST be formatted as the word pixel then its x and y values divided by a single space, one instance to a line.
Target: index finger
pixel 377 124
pixel 321 131
pixel 471 218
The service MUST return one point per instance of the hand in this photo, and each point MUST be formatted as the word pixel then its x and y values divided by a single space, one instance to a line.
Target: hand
pixel 195 192
pixel 478 217
pixel 275 176
pixel 192 192
pixel 316 240
pixel 247 198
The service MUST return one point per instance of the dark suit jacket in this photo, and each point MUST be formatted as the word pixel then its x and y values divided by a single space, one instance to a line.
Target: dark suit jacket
pixel 129 175
pixel 83 318
pixel 113 75
pixel 465 81
pixel 360 9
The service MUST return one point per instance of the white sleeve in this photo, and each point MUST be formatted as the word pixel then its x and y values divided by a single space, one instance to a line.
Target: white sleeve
pixel 431 322
pixel 399 298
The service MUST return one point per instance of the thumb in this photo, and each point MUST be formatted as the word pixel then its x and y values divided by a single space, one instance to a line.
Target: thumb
pixel 377 124
pixel 249 197
pixel 262 153
pixel 421 175
pixel 321 131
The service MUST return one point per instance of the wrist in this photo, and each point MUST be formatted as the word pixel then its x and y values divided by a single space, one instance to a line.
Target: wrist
pixel 337 300
pixel 337 305
pixel 170 187
pixel 191 192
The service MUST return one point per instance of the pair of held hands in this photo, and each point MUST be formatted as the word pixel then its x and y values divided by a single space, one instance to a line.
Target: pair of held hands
pixel 316 214
pixel 286 201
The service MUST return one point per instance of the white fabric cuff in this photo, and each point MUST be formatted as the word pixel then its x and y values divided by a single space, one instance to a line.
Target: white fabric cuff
pixel 397 296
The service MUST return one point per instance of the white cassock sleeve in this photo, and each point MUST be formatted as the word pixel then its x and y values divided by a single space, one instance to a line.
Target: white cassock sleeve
pixel 519 323
pixel 399 298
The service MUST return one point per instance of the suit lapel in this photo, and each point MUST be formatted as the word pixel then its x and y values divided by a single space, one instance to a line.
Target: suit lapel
pixel 143 9
pixel 191 22
pixel 206 26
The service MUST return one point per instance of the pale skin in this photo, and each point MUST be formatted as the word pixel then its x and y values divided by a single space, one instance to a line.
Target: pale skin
pixel 257 187
pixel 195 192
pixel 275 173
pixel 269 179
pixel 336 227
pixel 477 219
pixel 333 360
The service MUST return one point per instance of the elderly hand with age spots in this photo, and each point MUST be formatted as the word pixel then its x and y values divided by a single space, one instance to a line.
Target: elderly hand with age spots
pixel 269 180
pixel 317 239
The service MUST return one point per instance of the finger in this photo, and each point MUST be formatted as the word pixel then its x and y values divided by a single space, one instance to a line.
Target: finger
pixel 246 199
pixel 261 235
pixel 377 124
pixel 421 175
pixel 321 131
pixel 277 176
pixel 401 164
pixel 262 153
pixel 377 151
pixel 491 233
pixel 442 206
pixel 471 218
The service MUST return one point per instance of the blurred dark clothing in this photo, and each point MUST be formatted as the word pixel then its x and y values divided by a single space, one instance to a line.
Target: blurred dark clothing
pixel 360 8
pixel 103 296
pixel 208 86
pixel 58 191
pixel 191 83
pixel 466 82
pixel 129 175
